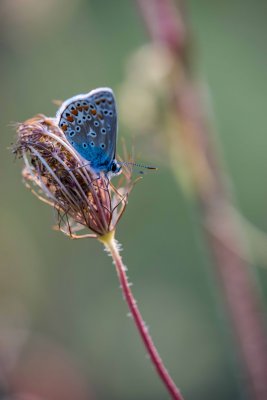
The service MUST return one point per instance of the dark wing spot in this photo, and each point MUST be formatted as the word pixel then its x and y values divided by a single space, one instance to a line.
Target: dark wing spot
pixel 102 145
pixel 84 145
pixel 78 128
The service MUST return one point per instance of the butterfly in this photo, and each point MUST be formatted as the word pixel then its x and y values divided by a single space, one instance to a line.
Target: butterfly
pixel 89 123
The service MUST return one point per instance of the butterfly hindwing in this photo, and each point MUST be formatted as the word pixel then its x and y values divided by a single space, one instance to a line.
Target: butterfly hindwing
pixel 89 123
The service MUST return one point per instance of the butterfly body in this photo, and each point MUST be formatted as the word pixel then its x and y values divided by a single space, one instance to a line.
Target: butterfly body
pixel 89 123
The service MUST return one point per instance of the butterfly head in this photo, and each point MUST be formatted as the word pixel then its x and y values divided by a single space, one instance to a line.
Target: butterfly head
pixel 115 168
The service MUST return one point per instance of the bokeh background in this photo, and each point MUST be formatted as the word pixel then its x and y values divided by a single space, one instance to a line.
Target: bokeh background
pixel 64 331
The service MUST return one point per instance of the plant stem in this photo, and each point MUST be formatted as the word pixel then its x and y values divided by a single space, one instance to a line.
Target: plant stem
pixel 112 246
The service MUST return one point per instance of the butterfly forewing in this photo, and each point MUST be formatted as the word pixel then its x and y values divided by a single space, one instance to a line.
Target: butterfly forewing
pixel 89 123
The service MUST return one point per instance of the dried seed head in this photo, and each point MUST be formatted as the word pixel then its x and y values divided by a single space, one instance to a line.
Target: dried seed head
pixel 57 175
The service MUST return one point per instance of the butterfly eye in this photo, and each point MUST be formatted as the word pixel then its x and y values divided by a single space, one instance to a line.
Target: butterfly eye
pixel 115 167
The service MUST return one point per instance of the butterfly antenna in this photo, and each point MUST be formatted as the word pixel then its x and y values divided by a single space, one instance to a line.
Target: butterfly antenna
pixel 137 165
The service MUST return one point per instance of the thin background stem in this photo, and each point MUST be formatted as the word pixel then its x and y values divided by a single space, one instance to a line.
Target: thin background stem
pixel 112 246
pixel 167 25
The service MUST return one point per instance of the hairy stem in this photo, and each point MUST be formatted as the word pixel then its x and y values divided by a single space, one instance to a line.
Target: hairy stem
pixel 111 245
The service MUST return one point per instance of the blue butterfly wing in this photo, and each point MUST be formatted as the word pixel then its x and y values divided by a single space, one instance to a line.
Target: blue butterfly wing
pixel 89 123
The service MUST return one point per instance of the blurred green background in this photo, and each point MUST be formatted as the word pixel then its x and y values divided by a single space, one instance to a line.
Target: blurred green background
pixel 60 298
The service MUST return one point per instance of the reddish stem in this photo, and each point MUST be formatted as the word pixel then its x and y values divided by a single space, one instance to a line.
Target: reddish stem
pixel 164 375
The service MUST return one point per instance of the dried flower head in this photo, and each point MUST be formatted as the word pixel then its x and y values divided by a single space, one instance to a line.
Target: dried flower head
pixel 57 175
